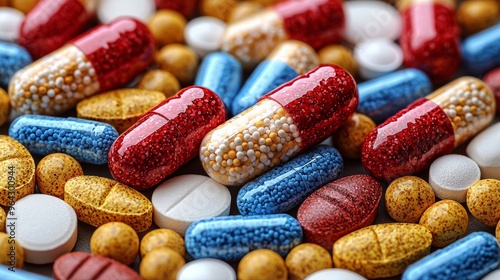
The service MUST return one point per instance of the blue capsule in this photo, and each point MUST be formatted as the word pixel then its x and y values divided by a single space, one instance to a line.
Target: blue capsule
pixel 471 257
pixel 230 238
pixel 87 141
pixel 12 58
pixel 384 96
pixel 481 51
pixel 221 73
pixel 288 185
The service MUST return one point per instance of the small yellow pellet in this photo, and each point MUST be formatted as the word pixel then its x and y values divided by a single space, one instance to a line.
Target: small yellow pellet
pixel 167 27
pixel 53 171
pixel 244 9
pixel 477 15
pixel 350 135
pixel 11 254
pixel 162 237
pixel 483 201
pixel 180 60
pixel 220 9
pixel 117 241
pixel 339 55
pixel 161 264
pixel 160 80
pixel 23 5
pixel 447 220
pixel 306 259
pixel 4 107
pixel 497 231
pixel 262 264
pixel 3 217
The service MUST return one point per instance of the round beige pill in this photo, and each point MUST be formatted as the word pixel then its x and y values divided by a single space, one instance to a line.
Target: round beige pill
pixel 161 264
pixel 306 259
pixel 220 9
pixel 167 27
pixel 53 171
pixel 180 60
pixel 447 220
pixel 339 55
pixel 11 252
pixel 160 80
pixel 162 237
pixel 117 241
pixel 483 201
pixel 262 264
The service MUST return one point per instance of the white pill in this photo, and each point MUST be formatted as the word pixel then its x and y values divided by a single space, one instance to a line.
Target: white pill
pixel 185 199
pixel 108 10
pixel 484 149
pixel 367 20
pixel 206 269
pixel 10 23
pixel 450 176
pixel 334 273
pixel 377 57
pixel 204 34
pixel 45 226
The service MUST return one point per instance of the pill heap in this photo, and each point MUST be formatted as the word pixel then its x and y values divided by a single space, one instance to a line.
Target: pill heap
pixel 260 139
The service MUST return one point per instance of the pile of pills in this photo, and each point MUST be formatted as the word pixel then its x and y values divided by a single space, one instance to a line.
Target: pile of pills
pixel 257 139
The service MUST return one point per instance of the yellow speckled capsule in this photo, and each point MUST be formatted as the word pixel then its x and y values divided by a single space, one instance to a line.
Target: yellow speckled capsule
pixel 54 170
pixel 407 198
pixel 4 107
pixel 382 250
pixel 262 264
pixel 17 171
pixel 161 264
pixel 180 60
pixel 350 136
pixel 117 241
pixel 99 200
pixel 160 80
pixel 306 259
pixel 483 201
pixel 120 108
pixel 447 220
pixel 6 257
pixel 162 237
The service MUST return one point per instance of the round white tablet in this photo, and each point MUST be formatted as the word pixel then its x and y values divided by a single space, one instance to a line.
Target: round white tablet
pixel 485 151
pixel 185 199
pixel 334 273
pixel 10 23
pixel 450 176
pixel 206 269
pixel 367 20
pixel 204 34
pixel 108 10
pixel 377 57
pixel 44 225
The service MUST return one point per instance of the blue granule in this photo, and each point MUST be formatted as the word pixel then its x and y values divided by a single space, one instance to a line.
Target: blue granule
pixel 288 185
pixel 12 58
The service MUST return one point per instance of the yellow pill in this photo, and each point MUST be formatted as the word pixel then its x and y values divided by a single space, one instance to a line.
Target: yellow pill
pixel 244 9
pixel 3 217
pixel 160 80
pixel 262 264
pixel 11 252
pixel 161 264
pixel 476 15
pixel 4 106
pixel 117 241
pixel 339 55
pixel 483 201
pixel 179 60
pixel 23 5
pixel 407 198
pixel 220 9
pixel 447 220
pixel 53 171
pixel 167 27
pixel 162 237
pixel 497 231
pixel 306 259
pixel 350 135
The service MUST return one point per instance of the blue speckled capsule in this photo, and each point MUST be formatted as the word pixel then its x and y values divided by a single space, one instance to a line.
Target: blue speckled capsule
pixel 12 58
pixel 229 238
pixel 471 257
pixel 87 141
pixel 481 51
pixel 288 185
pixel 221 73
pixel 288 60
pixel 384 96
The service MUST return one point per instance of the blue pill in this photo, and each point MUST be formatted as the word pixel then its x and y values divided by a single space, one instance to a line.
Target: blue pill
pixel 384 96
pixel 288 185
pixel 12 58
pixel 14 273
pixel 85 140
pixel 267 76
pixel 229 238
pixel 481 51
pixel 221 73
pixel 471 257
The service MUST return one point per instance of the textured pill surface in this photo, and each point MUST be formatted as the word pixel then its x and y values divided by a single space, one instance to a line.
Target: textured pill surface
pixel 162 237
pixel 407 198
pixel 12 58
pixel 447 220
pixel 349 138
pixel 483 201
pixel 306 259
pixel 180 60
pixel 483 149
pixel 262 264
pixel 161 264
pixel 167 27
pixel 338 208
pixel 117 241
pixel 7 252
pixel 339 55
pixel 382 250
pixel 53 171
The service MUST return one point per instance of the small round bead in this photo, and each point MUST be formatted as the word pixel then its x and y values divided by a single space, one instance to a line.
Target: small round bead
pixel 117 241
pixel 350 136
pixel 160 80
pixel 4 107
pixel 161 264
pixel 306 259
pixel 262 264
pixel 179 60
pixel 167 27
pixel 162 237
pixel 220 9
pixel 447 220
pixel 476 15
pixel 53 171
pixel 339 55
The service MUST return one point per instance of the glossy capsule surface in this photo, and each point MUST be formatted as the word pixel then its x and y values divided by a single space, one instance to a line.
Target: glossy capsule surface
pixel 165 138
pixel 12 58
pixel 51 23
pixel 409 141
pixel 286 122
pixel 103 58
pixel 481 51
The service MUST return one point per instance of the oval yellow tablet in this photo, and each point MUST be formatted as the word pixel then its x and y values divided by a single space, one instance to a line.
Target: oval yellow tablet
pixel 382 250
pixel 99 200
pixel 483 201
pixel 120 108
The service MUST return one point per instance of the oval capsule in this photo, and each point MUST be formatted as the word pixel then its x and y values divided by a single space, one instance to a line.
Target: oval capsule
pixel 286 122
pixel 165 138
pixel 12 58
pixel 105 57
pixel 409 141
pixel 85 140
pixel 286 186
pixel 483 150
pixel 232 237
pixel 481 51
pixel 471 257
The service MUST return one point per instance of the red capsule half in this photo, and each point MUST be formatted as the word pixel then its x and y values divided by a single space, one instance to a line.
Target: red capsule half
pixel 185 7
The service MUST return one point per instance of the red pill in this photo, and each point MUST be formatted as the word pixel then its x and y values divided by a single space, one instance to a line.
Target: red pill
pixel 492 79
pixel 103 58
pixel 338 208
pixel 165 138
pixel 185 7
pixel 409 141
pixel 430 38
pixel 51 23
pixel 83 265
